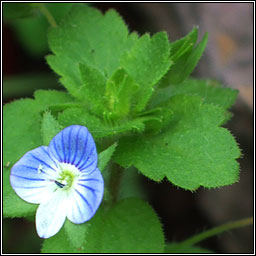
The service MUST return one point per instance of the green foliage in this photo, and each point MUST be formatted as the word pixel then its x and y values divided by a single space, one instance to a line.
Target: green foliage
pixel 21 133
pixel 49 127
pixel 185 57
pixel 119 96
pixel 175 248
pixel 93 88
pixel 135 96
pixel 129 226
pixel 98 128
pixel 105 156
pixel 101 50
pixel 35 25
pixel 210 92
pixel 194 151
pixel 146 63
pixel 76 233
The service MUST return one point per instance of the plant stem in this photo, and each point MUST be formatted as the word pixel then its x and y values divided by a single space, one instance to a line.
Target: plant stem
pixel 115 180
pixel 217 230
pixel 47 14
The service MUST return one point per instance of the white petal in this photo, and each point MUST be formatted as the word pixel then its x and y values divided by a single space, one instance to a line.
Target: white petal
pixel 51 215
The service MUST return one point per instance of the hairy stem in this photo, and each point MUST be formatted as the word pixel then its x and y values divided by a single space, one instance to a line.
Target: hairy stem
pixel 47 14
pixel 217 230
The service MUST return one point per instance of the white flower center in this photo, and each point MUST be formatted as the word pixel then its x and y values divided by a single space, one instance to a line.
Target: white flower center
pixel 68 175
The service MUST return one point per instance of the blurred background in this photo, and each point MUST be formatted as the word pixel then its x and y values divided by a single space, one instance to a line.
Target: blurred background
pixel 228 58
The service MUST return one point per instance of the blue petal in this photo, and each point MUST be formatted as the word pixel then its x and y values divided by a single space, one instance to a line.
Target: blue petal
pixel 86 197
pixel 75 145
pixel 31 177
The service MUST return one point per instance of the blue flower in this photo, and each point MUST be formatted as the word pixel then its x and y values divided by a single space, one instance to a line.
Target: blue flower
pixel 63 178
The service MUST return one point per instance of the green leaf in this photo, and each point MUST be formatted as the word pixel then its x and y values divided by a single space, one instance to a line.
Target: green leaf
pixel 97 128
pixel 101 49
pixel 17 10
pixel 131 226
pixel 49 127
pixel 210 91
pixel 58 244
pixel 21 133
pixel 183 45
pixel 76 233
pixel 131 185
pixel 193 151
pixel 146 63
pixel 120 90
pixel 49 98
pixel 175 248
pixel 105 156
pixel 37 25
pixel 93 89
pixel 55 101
pixel 185 64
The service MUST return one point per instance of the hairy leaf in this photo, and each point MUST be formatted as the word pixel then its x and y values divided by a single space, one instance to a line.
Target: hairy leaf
pixel 194 151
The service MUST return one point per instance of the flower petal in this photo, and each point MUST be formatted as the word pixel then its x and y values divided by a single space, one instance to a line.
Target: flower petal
pixel 31 177
pixel 75 145
pixel 86 197
pixel 51 214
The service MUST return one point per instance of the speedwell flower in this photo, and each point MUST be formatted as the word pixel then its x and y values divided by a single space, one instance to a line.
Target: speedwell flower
pixel 63 178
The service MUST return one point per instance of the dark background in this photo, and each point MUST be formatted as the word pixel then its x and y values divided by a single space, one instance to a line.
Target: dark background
pixel 229 59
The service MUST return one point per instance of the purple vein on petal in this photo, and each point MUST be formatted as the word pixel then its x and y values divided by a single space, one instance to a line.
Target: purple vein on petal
pixel 26 177
pixel 50 158
pixel 87 166
pixel 69 139
pixel 39 160
pixel 63 147
pixel 85 162
pixel 90 180
pixel 83 150
pixel 84 200
pixel 89 188
pixel 76 145
pixel 54 144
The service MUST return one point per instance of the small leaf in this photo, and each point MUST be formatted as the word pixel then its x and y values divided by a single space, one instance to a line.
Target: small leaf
pixel 58 244
pixel 93 89
pixel 183 45
pixel 185 64
pixel 120 90
pixel 49 127
pixel 105 156
pixel 146 63
pixel 76 233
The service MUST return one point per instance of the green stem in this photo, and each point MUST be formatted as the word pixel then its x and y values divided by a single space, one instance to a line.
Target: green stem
pixel 217 230
pixel 115 180
pixel 47 14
